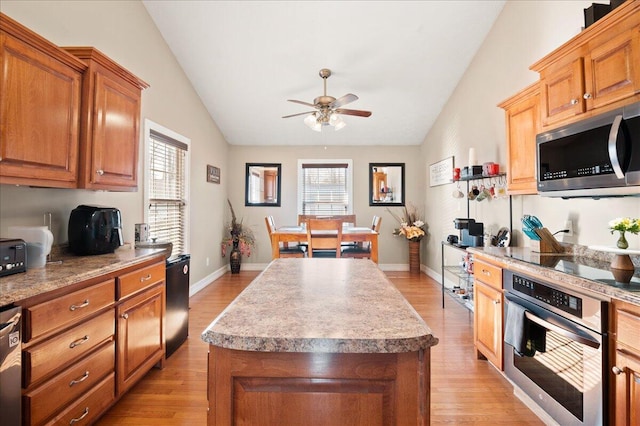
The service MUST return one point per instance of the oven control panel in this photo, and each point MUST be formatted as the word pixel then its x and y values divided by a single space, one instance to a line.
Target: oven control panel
pixel 548 295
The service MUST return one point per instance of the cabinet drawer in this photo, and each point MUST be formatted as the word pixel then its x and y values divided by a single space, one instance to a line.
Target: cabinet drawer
pixel 87 409
pixel 136 281
pixel 45 401
pixel 488 274
pixel 628 325
pixel 68 309
pixel 42 359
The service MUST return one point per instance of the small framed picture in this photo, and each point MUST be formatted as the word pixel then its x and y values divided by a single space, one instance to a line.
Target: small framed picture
pixel 213 174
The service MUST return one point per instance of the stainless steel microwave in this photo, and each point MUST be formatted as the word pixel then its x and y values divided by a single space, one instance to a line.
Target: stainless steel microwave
pixel 596 157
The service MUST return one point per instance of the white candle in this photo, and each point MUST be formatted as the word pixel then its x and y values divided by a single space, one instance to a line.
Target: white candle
pixel 472 157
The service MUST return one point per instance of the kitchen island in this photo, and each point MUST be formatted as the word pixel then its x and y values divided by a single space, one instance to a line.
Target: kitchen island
pixel 319 341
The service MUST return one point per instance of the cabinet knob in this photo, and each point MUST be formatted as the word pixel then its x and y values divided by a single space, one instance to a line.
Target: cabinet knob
pixel 574 101
pixel 100 172
pixel 496 302
pixel 616 370
pixel 587 96
pixel 124 316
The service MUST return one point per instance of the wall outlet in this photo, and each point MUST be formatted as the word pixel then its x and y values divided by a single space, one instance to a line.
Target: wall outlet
pixel 568 225
pixel 207 261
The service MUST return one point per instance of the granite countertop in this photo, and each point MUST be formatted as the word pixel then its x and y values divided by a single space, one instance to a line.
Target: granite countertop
pixel 71 270
pixel 519 258
pixel 320 305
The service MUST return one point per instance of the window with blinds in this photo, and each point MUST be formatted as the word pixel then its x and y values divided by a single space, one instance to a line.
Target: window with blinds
pixel 325 188
pixel 167 190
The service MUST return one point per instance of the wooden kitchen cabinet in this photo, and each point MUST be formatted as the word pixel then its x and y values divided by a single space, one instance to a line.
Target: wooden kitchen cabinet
pixel 625 365
pixel 488 310
pixel 110 123
pixel 522 118
pixel 40 97
pixel 83 348
pixel 597 70
pixel 140 316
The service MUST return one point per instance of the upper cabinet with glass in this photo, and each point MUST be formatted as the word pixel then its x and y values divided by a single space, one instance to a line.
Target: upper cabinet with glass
pixel 262 185
pixel 386 184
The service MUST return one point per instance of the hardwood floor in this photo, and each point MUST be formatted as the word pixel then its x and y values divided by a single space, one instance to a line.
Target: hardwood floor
pixel 464 390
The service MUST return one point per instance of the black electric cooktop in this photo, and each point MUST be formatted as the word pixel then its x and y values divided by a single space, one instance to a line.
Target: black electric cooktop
pixel 584 268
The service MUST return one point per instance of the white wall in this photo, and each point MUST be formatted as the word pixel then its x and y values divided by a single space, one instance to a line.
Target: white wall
pixel 393 251
pixel 524 32
pixel 124 31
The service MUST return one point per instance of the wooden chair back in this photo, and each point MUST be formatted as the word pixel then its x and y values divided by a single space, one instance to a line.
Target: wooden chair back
pixel 345 218
pixel 360 250
pixel 319 240
pixel 283 250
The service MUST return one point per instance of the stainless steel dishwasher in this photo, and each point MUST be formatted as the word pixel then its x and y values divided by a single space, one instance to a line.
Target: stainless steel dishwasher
pixel 10 365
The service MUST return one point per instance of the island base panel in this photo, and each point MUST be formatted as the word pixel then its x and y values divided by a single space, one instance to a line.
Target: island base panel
pixel 275 388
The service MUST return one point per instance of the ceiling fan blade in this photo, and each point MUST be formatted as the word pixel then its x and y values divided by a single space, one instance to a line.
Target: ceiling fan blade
pixel 302 103
pixel 300 113
pixel 357 112
pixel 346 99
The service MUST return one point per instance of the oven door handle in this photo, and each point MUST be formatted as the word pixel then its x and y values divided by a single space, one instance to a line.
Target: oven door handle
pixel 566 333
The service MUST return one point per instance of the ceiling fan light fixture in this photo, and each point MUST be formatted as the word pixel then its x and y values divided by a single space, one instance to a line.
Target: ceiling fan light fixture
pixel 312 122
pixel 339 123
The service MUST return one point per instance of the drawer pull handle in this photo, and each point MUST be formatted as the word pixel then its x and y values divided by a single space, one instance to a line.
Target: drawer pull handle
pixel 488 273
pixel 80 306
pixel 78 342
pixel 81 379
pixel 145 278
pixel 124 316
pixel 77 419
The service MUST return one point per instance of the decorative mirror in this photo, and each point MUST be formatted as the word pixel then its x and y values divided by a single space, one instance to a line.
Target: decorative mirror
pixel 262 185
pixel 386 184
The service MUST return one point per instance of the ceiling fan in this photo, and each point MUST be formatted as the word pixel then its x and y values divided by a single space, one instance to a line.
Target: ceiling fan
pixel 328 108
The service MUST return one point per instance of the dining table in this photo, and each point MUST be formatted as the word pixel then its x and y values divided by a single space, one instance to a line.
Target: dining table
pixel 298 234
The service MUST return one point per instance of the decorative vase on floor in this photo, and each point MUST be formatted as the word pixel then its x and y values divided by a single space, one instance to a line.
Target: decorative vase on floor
pixel 622 241
pixel 235 258
pixel 414 257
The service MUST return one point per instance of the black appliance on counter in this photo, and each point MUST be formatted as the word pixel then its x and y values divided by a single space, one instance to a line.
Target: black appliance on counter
pixel 471 232
pixel 13 256
pixel 94 230
pixel 177 289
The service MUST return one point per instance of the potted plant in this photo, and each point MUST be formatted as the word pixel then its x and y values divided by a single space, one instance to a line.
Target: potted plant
pixel 241 240
pixel 413 229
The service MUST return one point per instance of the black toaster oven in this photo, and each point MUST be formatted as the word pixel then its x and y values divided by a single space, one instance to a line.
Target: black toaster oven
pixel 13 256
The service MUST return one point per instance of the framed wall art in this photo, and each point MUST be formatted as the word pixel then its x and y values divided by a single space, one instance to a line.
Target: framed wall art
pixel 441 173
pixel 213 174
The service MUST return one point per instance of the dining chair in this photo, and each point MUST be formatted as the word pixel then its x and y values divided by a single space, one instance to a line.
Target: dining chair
pixel 285 250
pixel 361 250
pixel 324 237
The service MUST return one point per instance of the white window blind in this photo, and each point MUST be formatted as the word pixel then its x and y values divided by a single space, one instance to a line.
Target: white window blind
pixel 167 190
pixel 324 188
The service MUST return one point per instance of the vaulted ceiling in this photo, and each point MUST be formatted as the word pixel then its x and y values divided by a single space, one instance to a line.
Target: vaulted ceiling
pixel 403 59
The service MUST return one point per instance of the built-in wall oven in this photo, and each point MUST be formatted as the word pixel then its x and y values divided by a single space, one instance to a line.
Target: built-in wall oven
pixel 559 355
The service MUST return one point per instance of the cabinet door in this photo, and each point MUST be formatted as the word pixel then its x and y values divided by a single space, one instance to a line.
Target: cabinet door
pixel 39 117
pixel 627 388
pixel 612 70
pixel 522 117
pixel 140 335
pixel 562 90
pixel 115 135
pixel 488 322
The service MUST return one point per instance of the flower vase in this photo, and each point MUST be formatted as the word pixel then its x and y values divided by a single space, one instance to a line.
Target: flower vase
pixel 622 241
pixel 414 257
pixel 235 258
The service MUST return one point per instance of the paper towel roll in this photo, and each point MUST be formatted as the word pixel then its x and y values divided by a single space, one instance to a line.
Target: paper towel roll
pixel 473 160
